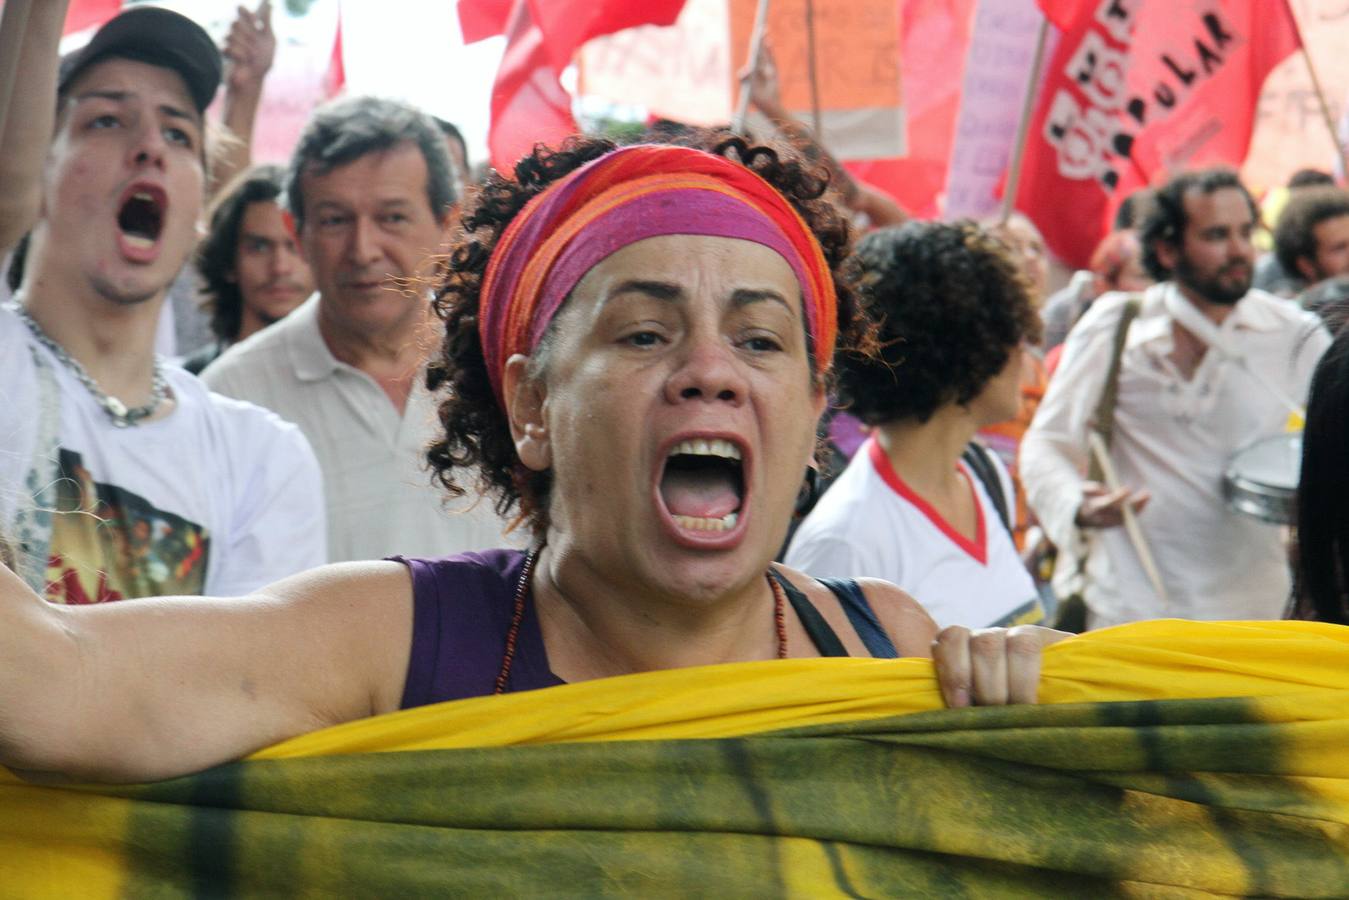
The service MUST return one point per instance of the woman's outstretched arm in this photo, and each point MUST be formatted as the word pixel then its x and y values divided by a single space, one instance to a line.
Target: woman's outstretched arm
pixel 141 690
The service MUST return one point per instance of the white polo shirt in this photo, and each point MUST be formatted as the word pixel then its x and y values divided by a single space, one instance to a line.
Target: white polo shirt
pixel 871 524
pixel 380 497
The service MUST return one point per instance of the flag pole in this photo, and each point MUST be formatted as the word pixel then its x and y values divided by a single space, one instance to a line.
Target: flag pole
pixel 755 50
pixel 1023 127
pixel 811 71
pixel 1320 93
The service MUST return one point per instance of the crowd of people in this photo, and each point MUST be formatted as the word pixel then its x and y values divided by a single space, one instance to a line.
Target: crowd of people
pixel 453 436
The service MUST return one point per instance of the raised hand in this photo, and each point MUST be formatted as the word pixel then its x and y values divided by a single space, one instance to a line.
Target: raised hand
pixel 250 48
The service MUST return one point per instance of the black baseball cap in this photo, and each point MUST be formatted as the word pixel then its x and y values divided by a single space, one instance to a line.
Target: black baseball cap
pixel 159 37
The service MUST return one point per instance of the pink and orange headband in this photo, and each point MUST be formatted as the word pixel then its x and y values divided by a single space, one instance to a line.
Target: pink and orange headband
pixel 626 196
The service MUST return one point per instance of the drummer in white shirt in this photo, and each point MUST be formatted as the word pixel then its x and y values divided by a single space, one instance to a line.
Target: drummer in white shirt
pixel 1209 367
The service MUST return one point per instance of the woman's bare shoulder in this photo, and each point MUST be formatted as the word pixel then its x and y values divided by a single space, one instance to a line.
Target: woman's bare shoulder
pixel 903 618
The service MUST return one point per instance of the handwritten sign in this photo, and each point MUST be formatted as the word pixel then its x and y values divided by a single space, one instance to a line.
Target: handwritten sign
pixel 857 49
pixel 997 68
pixel 678 72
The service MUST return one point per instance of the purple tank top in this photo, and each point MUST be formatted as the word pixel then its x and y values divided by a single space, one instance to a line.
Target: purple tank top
pixel 461 612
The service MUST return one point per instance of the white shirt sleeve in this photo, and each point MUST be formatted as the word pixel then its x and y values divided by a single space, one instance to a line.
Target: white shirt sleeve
pixel 832 556
pixel 1053 460
pixel 279 522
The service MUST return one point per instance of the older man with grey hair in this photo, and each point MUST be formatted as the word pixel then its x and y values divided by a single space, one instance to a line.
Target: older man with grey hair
pixel 370 188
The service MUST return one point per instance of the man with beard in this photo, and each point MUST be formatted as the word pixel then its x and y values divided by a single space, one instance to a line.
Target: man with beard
pixel 122 476
pixel 1207 367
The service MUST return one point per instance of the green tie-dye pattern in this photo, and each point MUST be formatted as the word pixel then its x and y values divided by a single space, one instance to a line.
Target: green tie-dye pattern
pixel 1143 799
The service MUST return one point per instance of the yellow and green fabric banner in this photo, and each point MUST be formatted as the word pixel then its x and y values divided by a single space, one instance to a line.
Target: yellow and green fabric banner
pixel 1167 759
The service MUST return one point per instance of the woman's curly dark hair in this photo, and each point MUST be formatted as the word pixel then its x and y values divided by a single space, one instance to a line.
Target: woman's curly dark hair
pixel 953 304
pixel 476 452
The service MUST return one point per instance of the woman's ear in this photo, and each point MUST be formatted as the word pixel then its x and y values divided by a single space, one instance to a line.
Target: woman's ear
pixel 525 407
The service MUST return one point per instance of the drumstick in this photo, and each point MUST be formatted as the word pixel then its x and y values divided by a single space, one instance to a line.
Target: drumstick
pixel 1131 525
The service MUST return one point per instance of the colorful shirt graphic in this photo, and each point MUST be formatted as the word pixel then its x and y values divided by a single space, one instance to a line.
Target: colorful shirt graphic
pixel 108 543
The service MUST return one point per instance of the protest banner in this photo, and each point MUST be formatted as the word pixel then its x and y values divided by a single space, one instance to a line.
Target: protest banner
pixel 1135 91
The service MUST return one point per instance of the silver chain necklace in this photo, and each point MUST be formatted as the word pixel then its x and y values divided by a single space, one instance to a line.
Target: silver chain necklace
pixel 121 416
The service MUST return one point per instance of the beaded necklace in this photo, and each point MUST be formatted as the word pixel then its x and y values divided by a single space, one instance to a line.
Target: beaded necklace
pixel 522 590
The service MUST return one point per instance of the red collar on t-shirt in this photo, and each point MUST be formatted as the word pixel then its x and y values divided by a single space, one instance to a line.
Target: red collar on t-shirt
pixel 978 548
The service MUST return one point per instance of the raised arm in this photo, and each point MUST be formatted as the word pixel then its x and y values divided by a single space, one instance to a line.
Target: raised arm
pixel 141 690
pixel 766 95
pixel 30 36
pixel 250 48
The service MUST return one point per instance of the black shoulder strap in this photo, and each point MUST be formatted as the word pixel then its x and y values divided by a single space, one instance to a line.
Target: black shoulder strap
pixel 824 638
pixel 862 616
pixel 976 457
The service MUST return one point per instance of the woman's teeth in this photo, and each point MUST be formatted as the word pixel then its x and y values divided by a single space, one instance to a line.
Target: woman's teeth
pixel 714 447
pixel 696 523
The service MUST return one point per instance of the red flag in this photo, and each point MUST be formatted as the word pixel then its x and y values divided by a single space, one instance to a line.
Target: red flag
pixel 567 24
pixel 529 105
pixel 82 14
pixel 934 35
pixel 335 78
pixel 481 19
pixel 1135 92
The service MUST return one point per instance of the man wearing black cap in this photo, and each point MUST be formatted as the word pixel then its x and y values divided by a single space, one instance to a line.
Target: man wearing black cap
pixel 121 476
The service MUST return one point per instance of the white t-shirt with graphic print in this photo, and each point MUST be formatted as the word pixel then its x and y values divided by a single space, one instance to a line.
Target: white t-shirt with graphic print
pixel 871 524
pixel 219 497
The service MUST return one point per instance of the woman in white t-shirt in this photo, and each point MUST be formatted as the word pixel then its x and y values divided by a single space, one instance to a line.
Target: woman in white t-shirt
pixel 908 508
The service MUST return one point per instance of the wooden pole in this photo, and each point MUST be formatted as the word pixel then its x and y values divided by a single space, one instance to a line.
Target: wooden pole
pixel 1023 127
pixel 1320 93
pixel 755 49
pixel 811 72
pixel 1131 526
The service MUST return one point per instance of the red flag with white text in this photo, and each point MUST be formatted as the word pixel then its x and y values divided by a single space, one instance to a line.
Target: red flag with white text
pixel 1138 90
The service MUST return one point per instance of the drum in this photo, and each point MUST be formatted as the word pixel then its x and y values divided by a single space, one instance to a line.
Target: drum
pixel 1261 480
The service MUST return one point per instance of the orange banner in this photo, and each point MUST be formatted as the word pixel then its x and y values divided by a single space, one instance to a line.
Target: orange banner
pixel 856 50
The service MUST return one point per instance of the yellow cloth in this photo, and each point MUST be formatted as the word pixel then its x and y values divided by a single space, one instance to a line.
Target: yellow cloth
pixel 597 792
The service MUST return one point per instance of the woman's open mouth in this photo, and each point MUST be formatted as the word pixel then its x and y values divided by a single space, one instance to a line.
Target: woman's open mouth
pixel 702 487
